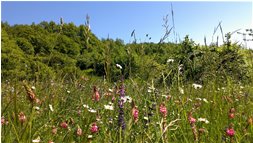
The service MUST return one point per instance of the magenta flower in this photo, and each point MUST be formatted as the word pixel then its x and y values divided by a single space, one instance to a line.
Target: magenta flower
pixel 94 128
pixel 135 113
pixel 163 110
pixel 64 125
pixel 230 132
pixel 192 120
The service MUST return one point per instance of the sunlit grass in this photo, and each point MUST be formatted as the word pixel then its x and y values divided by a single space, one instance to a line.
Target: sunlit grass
pixel 68 107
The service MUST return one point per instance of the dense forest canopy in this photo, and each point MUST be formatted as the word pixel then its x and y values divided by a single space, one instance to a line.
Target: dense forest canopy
pixel 49 50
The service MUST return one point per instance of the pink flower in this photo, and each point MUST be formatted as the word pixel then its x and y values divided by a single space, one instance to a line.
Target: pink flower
pixel 54 130
pixel 2 120
pixel 22 117
pixel 192 120
pixel 94 128
pixel 113 99
pixel 64 125
pixel 231 115
pixel 163 110
pixel 135 113
pixel 96 95
pixel 230 132
pixel 79 131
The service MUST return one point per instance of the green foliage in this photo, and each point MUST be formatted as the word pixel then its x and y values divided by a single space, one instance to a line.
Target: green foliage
pixel 72 50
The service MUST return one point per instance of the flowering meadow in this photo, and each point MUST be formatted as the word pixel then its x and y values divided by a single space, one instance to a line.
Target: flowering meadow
pixel 61 84
pixel 93 110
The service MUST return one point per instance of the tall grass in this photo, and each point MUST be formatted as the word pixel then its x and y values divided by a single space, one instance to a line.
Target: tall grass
pixel 69 103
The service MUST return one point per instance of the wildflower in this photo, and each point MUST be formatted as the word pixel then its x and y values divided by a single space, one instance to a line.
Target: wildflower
pixel 79 131
pixel 64 125
pixel 145 118
pixel 232 110
pixel 94 128
pixel 170 60
pixel 163 110
pixel 2 120
pixel 68 91
pixel 135 114
pixel 119 66
pixel 193 126
pixel 22 117
pixel 230 132
pixel 89 136
pixel 204 99
pixel 231 113
pixel 203 120
pixel 36 108
pixel 165 96
pixel 126 99
pixel 51 107
pixel 37 140
pixel 37 101
pixel 31 95
pixel 113 99
pixel 121 120
pixel 33 88
pixel 85 106
pixel 196 86
pixel 180 68
pixel 54 130
pixel 96 95
pixel 181 90
pixel 192 120
pixel 108 107
pixel 92 110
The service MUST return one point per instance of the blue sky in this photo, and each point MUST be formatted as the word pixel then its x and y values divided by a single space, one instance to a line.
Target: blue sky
pixel 119 19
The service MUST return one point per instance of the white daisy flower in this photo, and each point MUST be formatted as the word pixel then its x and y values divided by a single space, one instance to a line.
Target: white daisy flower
pixel 92 110
pixel 203 120
pixel 37 140
pixel 119 66
pixel 33 87
pixel 89 136
pixel 170 60
pixel 108 107
pixel 196 86
pixel 51 107
pixel 205 100
pixel 85 106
